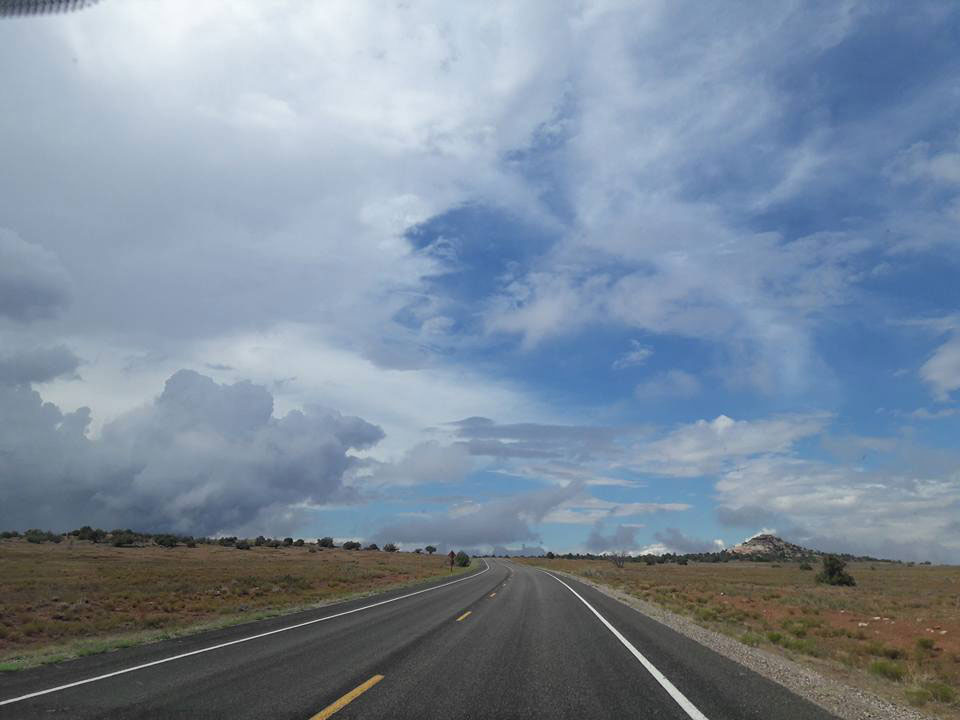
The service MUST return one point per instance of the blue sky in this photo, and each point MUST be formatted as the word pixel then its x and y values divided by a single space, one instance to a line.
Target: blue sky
pixel 587 276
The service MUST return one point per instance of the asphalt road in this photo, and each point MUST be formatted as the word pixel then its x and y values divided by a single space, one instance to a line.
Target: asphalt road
pixel 508 641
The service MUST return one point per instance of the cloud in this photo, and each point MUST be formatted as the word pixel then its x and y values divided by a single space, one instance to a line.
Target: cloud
pixel 709 446
pixel 638 356
pixel 496 522
pixel 37 366
pixel 681 544
pixel 623 537
pixel 906 515
pixel 426 462
pixel 942 371
pixel 672 383
pixel 33 283
pixel 202 458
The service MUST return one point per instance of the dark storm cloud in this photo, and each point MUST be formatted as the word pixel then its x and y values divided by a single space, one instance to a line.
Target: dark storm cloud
pixel 37 366
pixel 202 458
pixel 33 283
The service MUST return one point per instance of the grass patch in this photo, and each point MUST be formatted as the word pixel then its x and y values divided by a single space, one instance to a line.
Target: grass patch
pixel 888 670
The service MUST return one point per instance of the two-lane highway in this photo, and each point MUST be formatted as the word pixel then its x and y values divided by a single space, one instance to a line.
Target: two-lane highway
pixel 507 641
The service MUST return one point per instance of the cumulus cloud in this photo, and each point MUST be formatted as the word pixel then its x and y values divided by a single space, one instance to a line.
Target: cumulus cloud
pixel 33 282
pixel 201 458
pixel 38 365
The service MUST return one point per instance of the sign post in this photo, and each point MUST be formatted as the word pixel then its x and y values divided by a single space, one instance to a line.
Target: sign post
pixel 451 555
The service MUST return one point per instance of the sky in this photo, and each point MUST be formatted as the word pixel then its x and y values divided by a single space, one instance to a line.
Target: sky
pixel 578 276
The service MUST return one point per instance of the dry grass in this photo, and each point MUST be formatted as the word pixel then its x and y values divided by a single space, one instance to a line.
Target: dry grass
pixel 896 633
pixel 72 599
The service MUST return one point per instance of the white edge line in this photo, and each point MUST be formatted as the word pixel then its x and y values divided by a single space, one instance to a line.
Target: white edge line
pixel 679 697
pixel 235 642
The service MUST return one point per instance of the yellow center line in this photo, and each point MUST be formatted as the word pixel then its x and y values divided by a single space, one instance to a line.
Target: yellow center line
pixel 347 699
pixel 464 616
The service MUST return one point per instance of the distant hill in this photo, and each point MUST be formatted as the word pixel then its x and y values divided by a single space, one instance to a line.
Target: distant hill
pixel 773 548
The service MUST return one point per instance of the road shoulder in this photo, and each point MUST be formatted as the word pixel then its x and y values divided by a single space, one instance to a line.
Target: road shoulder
pixel 837 698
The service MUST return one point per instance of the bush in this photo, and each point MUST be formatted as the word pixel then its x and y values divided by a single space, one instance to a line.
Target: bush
pixel 242 545
pixel 7 534
pixel 41 536
pixel 167 541
pixel 227 541
pixel 550 556
pixel 462 559
pixel 430 549
pixel 287 541
pixel 925 644
pixel 390 547
pixel 833 572
pixel 122 539
pixel 888 669
pixel 298 542
pixel 806 566
pixel 351 545
pixel 326 542
pixel 372 546
pixel 259 540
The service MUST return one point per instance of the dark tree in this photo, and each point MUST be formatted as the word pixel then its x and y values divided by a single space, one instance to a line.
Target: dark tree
pixel 834 572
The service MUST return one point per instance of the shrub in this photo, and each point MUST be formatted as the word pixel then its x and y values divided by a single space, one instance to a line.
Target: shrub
pixel 462 559
pixel 167 541
pixel 242 545
pixel 298 542
pixel 259 540
pixel 7 534
pixel 430 549
pixel 941 692
pixel 681 561
pixel 833 572
pixel 806 566
pixel 774 637
pixel 888 669
pixel 419 551
pixel 550 556
pixel 227 541
pixel 41 536
pixel 372 546
pixel 751 639
pixel 122 539
pixel 287 541
pixel 925 644
pixel 351 545
pixel 390 547
pixel 326 542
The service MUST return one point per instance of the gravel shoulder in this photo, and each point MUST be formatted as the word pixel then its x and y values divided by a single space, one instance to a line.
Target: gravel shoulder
pixel 845 702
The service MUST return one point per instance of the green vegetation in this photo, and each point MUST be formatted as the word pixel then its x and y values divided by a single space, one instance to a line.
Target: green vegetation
pixel 462 559
pixel 834 573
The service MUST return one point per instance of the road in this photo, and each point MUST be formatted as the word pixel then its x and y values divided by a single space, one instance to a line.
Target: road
pixel 508 641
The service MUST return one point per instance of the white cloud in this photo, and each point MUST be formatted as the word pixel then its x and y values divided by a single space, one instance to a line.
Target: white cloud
pixel 637 356
pixel 710 446
pixel 942 370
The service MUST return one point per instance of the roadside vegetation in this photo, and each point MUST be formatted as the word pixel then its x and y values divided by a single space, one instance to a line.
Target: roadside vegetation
pixel 91 591
pixel 889 627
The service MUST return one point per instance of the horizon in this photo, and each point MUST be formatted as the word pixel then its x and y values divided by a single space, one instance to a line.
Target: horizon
pixel 580 276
